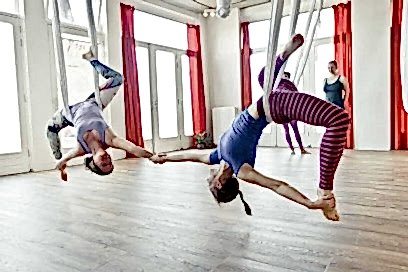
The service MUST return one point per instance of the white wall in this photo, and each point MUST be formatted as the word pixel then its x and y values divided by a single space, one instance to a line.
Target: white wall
pixel 114 52
pixel 224 60
pixel 263 12
pixel 39 83
pixel 371 74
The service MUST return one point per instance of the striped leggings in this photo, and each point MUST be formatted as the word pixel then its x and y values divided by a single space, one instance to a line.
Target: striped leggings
pixel 295 128
pixel 287 105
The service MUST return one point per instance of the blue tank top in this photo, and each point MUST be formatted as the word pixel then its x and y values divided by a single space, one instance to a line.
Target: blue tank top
pixel 88 116
pixel 238 144
pixel 334 92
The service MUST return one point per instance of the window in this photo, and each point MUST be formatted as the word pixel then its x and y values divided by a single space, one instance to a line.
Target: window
pixel 157 30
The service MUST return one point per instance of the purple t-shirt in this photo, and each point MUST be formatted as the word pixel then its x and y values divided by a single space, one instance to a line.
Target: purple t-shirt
pixel 87 116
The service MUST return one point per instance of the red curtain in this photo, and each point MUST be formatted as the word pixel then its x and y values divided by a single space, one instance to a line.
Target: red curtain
pixel 196 79
pixel 246 91
pixel 399 118
pixel 342 45
pixel 133 118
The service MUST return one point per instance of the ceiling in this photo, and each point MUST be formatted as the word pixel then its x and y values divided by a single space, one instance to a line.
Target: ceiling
pixel 200 5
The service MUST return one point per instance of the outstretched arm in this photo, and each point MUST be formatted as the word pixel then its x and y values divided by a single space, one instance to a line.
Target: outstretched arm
pixel 62 163
pixel 140 152
pixel 120 143
pixel 182 157
pixel 248 174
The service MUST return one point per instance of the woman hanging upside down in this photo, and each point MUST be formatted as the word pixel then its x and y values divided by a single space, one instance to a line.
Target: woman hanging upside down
pixel 94 136
pixel 236 151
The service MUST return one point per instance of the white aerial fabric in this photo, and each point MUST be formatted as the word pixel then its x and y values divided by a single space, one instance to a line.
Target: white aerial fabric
pixel 94 41
pixel 276 17
pixel 56 26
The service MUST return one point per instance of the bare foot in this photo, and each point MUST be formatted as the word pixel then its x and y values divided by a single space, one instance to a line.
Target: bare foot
pixel 304 152
pixel 329 211
pixel 296 42
pixel 88 55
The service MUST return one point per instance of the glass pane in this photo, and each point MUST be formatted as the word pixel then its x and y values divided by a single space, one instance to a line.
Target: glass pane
pixel 79 78
pixel 324 53
pixel 9 6
pixel 142 55
pixel 160 30
pixel 292 66
pixel 325 28
pixel 74 11
pixel 10 142
pixel 166 94
pixel 187 110
pixel 79 71
pixel 258 61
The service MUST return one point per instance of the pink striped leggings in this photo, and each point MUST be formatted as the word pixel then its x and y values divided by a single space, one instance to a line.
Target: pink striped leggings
pixel 287 105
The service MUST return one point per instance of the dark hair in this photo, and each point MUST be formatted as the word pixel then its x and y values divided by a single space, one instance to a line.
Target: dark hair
pixel 334 63
pixel 229 192
pixel 94 168
pixel 287 74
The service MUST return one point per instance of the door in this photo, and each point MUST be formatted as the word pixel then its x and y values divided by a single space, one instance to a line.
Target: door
pixel 165 96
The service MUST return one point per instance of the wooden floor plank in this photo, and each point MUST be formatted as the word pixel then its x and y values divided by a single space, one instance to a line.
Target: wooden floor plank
pixel 147 217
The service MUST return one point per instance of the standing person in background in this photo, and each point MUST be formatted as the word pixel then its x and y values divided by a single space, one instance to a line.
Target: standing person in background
pixel 336 87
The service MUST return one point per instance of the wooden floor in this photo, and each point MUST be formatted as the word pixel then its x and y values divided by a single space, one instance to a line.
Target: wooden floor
pixel 147 217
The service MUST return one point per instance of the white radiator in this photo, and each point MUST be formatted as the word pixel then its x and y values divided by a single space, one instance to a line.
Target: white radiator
pixel 222 118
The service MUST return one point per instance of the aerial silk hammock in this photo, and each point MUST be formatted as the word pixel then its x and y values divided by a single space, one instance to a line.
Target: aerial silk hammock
pixel 404 55
pixel 56 26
